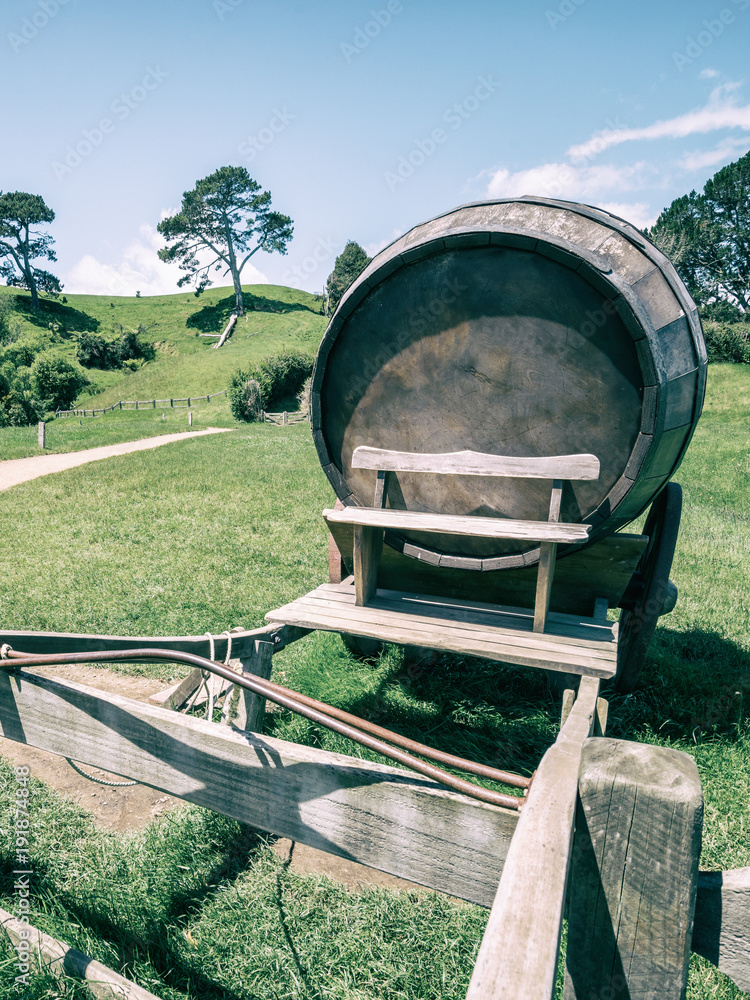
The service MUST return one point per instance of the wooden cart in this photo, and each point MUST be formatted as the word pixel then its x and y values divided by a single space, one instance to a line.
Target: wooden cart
pixel 499 393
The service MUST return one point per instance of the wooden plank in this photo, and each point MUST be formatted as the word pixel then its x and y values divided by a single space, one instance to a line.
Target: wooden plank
pixel 545 576
pixel 518 954
pixel 62 960
pixel 383 614
pixel 634 873
pixel 244 709
pixel 69 642
pixel 475 463
pixel 502 646
pixel 392 605
pixel 371 813
pixel 456 524
pixel 721 932
pixel 175 696
pixel 368 544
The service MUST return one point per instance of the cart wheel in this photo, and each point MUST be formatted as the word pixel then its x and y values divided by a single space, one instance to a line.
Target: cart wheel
pixel 658 594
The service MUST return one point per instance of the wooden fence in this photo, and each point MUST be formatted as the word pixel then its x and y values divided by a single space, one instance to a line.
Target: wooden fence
pixel 143 404
pixel 284 418
pixel 610 826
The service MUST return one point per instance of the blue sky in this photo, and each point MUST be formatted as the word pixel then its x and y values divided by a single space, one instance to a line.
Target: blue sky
pixel 362 118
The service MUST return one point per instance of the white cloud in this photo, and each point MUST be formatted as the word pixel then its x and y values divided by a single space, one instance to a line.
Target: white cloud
pixel 721 112
pixel 701 158
pixel 566 180
pixel 139 270
pixel 708 74
pixel 637 213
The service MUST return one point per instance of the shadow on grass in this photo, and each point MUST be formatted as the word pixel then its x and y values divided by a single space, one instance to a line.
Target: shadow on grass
pixel 213 319
pixel 694 687
pixel 54 311
pixel 154 939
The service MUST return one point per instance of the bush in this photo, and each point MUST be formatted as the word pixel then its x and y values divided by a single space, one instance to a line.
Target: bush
pixel 269 384
pixel 56 382
pixel 728 342
pixel 94 351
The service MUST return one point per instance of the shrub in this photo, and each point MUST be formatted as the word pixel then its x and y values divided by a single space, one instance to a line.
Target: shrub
pixel 94 351
pixel 728 342
pixel 56 382
pixel 268 384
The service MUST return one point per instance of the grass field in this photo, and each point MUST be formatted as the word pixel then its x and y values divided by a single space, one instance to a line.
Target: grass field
pixel 276 318
pixel 213 532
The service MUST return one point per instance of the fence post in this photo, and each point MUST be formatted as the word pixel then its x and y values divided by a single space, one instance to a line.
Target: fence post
pixel 634 872
pixel 284 418
pixel 42 433
pixel 190 418
pixel 153 404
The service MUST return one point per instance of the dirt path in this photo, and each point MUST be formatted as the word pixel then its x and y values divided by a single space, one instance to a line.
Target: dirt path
pixel 19 470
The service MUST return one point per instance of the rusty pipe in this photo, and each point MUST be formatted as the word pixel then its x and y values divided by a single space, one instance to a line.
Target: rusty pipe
pixel 287 699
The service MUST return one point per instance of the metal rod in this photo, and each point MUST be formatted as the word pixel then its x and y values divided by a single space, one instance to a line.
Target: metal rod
pixel 291 700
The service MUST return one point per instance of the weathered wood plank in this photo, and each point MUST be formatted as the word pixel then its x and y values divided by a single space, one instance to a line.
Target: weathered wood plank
pixel 475 463
pixel 591 640
pixel 176 695
pixel 370 813
pixel 62 960
pixel 518 954
pixel 721 931
pixel 634 872
pixel 421 625
pixel 456 524
pixel 368 544
pixel 545 576
pixel 244 709
pixel 70 642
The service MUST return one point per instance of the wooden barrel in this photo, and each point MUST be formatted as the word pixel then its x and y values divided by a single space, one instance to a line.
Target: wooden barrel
pixel 525 327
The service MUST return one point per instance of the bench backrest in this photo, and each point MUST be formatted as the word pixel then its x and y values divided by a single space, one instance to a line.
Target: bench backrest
pixel 475 463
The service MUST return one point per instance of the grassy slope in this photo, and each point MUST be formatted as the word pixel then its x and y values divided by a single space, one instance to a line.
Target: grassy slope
pixel 276 318
pixel 223 529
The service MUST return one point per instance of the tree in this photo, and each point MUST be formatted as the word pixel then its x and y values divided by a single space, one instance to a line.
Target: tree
pixel 707 237
pixel 227 215
pixel 20 245
pixel 56 381
pixel 349 264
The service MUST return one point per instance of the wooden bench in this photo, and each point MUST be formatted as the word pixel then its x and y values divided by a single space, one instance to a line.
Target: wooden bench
pixel 552 641
pixel 370 522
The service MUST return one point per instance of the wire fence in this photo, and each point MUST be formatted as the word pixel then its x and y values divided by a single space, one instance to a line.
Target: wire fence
pixel 142 404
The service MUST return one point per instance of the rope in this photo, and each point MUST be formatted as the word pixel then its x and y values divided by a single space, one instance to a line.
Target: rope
pixel 99 781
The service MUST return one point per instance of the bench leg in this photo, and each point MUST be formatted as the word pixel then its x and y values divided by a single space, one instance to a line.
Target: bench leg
pixel 634 874
pixel 368 545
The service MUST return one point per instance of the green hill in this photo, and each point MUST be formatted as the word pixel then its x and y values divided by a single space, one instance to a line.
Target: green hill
pixel 185 364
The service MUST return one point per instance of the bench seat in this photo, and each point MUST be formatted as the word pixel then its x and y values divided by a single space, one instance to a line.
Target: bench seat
pixel 570 644
pixel 457 524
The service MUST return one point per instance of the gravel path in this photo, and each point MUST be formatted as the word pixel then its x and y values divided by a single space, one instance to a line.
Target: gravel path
pixel 19 470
